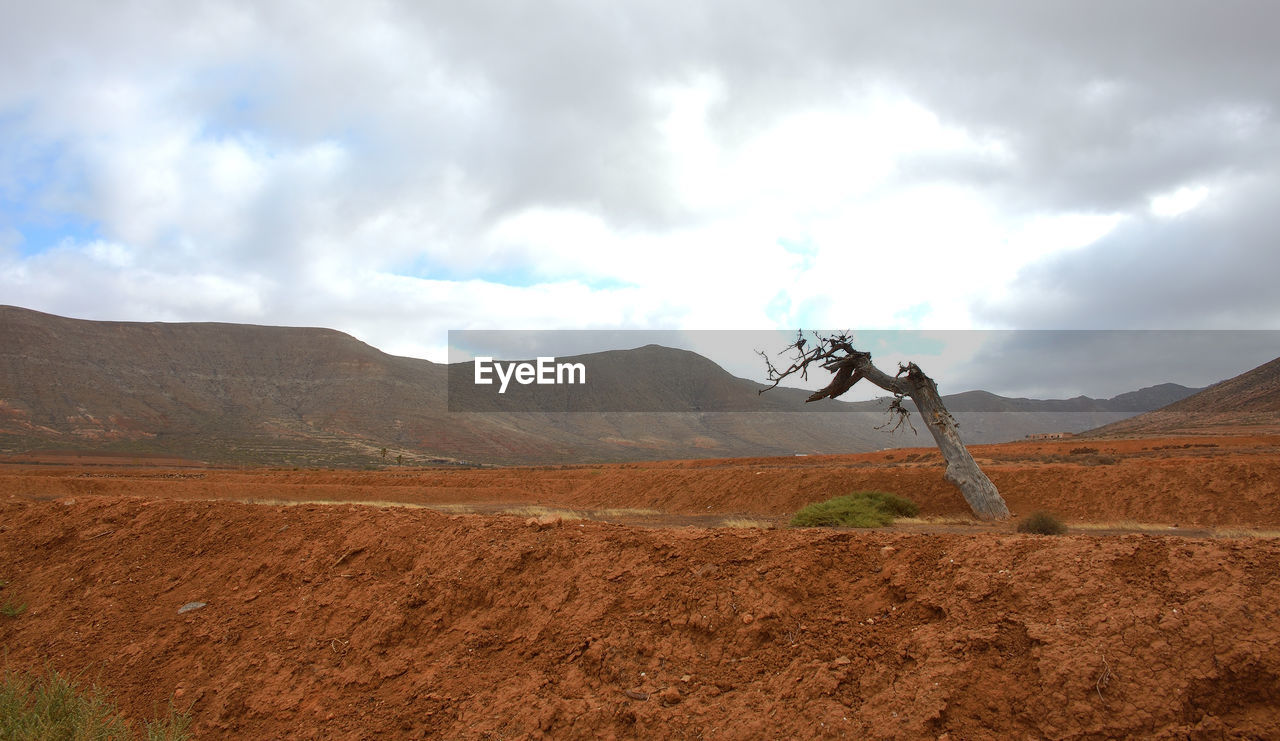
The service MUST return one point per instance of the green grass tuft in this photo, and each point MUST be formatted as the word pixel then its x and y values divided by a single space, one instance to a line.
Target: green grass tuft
pixel 859 509
pixel 36 708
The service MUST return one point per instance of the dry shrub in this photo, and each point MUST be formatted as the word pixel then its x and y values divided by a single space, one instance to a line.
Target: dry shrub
pixel 1042 523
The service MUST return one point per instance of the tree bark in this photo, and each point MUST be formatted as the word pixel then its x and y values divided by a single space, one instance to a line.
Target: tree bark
pixel 962 470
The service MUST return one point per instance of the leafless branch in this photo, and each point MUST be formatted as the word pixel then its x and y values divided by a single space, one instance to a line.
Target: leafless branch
pixel 828 352
pixel 902 415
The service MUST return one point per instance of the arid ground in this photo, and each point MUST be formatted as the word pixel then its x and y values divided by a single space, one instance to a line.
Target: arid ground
pixel 662 600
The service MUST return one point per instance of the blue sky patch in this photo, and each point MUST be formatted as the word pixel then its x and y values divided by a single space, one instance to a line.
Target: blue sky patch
pixel 516 276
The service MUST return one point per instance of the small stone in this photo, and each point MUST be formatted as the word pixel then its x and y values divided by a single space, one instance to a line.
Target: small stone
pixel 191 606
pixel 842 661
pixel 670 696
pixel 747 618
pixel 687 678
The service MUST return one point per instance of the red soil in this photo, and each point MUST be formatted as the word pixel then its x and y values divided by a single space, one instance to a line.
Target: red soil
pixel 341 621
pixel 1196 481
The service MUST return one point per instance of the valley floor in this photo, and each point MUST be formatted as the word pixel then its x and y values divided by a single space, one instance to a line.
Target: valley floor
pixel 337 620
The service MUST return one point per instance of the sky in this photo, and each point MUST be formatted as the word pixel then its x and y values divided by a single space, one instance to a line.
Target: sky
pixel 396 170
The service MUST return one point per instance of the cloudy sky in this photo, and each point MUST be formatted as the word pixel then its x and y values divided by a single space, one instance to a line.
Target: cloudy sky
pixel 396 170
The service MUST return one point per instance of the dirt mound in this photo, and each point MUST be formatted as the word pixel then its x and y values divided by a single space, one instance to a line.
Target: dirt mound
pixel 359 622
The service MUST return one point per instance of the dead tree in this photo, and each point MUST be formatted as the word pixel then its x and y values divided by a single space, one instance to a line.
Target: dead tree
pixel 837 355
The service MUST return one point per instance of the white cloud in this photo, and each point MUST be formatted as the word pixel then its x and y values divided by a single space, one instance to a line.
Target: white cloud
pixel 1180 201
pixel 397 169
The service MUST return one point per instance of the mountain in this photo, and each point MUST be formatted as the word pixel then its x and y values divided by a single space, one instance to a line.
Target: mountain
pixel 1249 400
pixel 1145 399
pixel 201 387
pixel 234 393
pixel 253 394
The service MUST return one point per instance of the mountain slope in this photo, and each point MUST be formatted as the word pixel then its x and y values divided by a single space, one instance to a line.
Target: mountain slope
pixel 231 393
pixel 1251 399
pixel 244 393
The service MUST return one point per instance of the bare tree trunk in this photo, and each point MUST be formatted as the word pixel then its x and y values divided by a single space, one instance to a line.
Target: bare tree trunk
pixel 962 471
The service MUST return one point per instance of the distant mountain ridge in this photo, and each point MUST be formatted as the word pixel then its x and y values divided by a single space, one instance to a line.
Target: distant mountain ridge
pixel 1145 399
pixel 1249 400
pixel 236 393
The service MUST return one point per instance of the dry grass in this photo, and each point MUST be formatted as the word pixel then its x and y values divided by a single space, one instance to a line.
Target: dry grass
pixel 625 512
pixel 1142 527
pixel 936 520
pixel 452 509
pixel 1234 531
pixel 1244 532
pixel 328 502
pixel 746 523
pixel 531 510
pixel 534 510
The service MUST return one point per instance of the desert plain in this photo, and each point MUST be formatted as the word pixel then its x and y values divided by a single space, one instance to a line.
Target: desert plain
pixel 662 599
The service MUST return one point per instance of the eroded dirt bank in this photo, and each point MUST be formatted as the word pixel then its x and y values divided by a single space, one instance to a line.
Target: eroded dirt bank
pixel 359 622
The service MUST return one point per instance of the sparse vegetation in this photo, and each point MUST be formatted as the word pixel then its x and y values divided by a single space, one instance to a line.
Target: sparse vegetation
pixel 859 509
pixel 52 707
pixel 9 608
pixel 1185 446
pixel 1042 523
